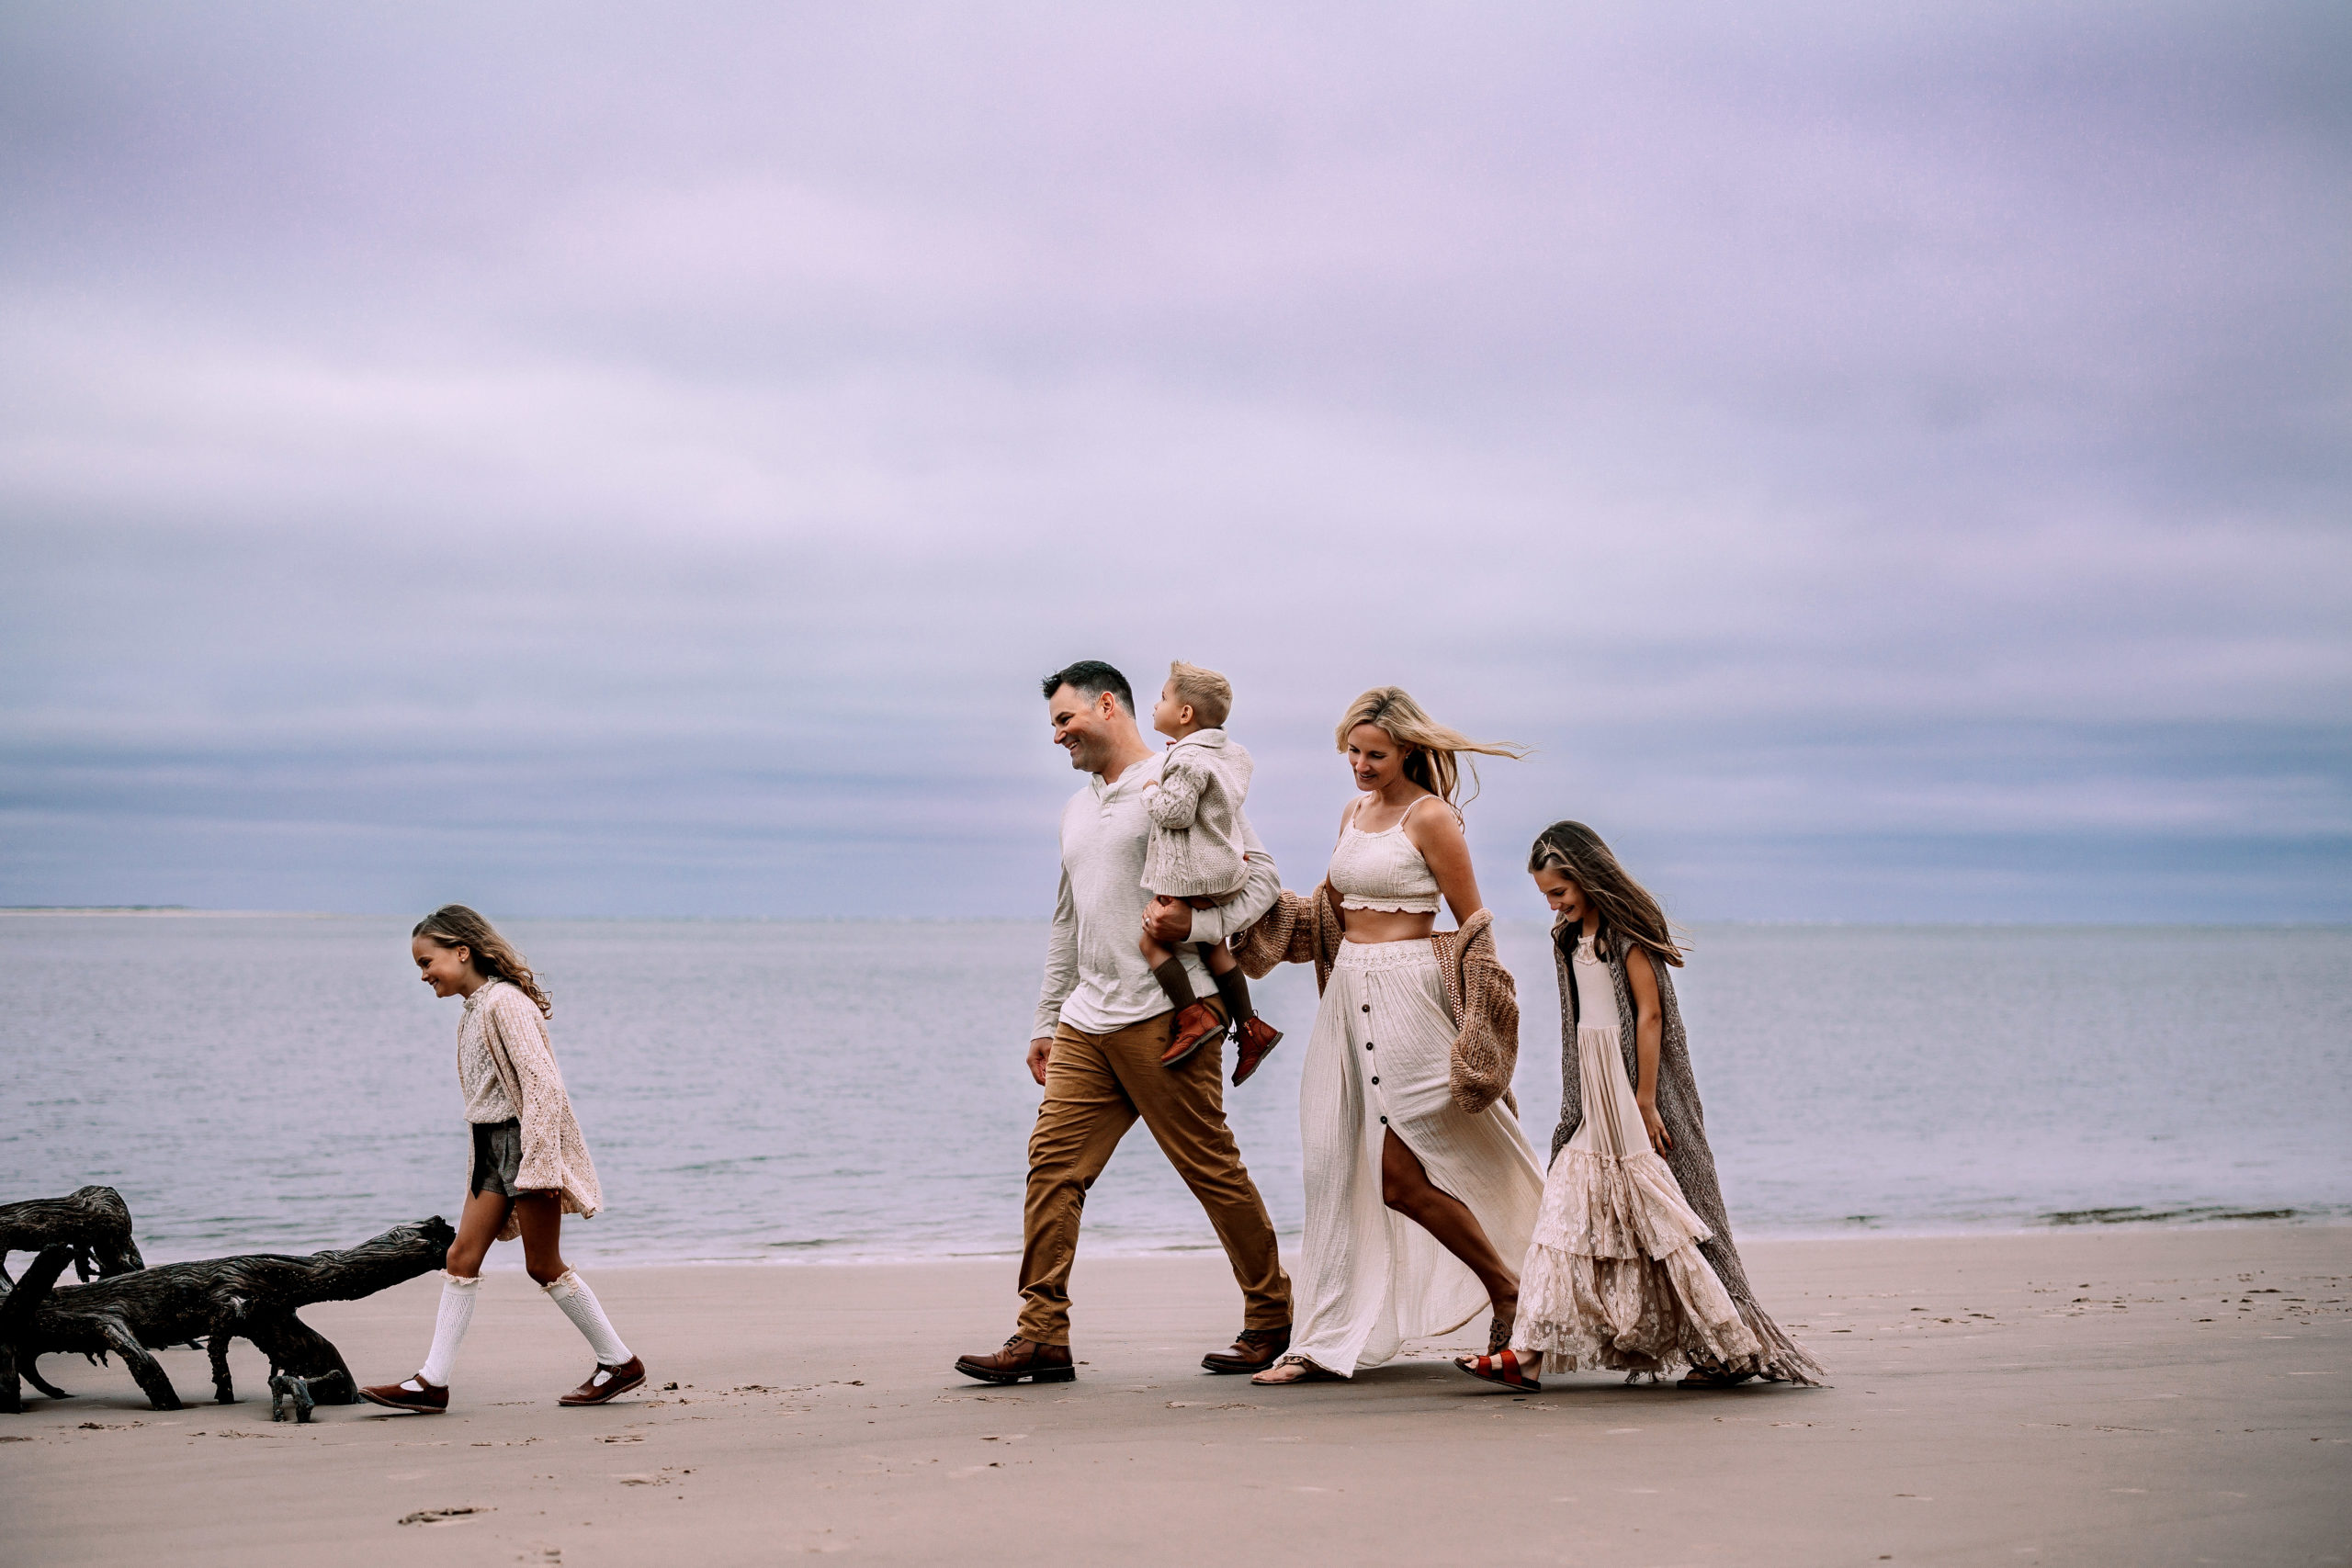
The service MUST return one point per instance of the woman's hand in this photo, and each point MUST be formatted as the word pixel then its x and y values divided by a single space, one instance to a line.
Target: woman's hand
pixel 1655 1127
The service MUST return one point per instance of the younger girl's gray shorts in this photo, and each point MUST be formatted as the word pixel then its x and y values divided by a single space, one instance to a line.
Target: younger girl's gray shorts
pixel 498 1157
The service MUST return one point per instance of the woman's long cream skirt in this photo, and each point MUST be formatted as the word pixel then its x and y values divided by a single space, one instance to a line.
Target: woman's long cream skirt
pixel 1379 1062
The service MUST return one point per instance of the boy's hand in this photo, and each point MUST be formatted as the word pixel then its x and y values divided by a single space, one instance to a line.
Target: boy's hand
pixel 1167 920
pixel 1041 1053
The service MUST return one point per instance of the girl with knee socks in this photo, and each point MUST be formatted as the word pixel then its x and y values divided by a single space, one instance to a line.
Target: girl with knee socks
pixel 530 1163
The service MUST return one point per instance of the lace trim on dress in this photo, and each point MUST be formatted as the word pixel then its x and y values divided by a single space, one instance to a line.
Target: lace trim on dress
pixel 1634 1314
pixel 1601 1206
pixel 1614 1279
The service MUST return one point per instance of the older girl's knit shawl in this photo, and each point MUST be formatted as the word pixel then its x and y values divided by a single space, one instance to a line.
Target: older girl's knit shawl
pixel 1478 989
pixel 1691 1161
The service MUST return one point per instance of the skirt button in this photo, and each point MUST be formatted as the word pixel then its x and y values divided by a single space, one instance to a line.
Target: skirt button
pixel 1384 1121
pixel 1375 1078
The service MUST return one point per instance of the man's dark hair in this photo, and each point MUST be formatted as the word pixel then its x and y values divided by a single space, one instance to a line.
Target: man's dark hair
pixel 1092 678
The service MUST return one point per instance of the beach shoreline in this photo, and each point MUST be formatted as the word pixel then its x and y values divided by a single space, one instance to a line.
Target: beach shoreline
pixel 2128 1395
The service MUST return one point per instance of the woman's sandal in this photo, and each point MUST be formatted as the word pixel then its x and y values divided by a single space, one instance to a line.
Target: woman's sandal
pixel 1713 1377
pixel 1499 1369
pixel 1312 1373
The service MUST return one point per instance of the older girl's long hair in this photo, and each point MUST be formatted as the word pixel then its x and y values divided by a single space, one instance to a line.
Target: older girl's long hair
pixel 1630 917
pixel 1430 747
pixel 454 925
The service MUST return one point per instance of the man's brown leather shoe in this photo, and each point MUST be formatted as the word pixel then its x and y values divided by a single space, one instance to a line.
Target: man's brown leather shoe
pixel 1021 1358
pixel 1254 1349
pixel 607 1382
pixel 413 1393
pixel 1196 1026
pixel 1257 1038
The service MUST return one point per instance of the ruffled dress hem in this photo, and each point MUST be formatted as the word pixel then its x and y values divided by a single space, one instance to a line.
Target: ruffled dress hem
pixel 1615 1280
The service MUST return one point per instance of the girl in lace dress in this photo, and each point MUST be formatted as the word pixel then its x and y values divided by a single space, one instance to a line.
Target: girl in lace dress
pixel 1632 1266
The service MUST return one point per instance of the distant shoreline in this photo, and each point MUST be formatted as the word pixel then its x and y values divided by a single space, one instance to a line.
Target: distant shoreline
pixel 803 1255
pixel 193 911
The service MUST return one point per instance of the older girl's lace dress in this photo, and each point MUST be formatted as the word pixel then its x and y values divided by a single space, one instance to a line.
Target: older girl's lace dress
pixel 1614 1278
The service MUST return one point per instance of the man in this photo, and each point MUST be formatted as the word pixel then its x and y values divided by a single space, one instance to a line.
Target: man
pixel 1103 1023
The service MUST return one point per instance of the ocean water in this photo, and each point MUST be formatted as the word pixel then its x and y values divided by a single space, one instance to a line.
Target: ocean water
pixel 853 1090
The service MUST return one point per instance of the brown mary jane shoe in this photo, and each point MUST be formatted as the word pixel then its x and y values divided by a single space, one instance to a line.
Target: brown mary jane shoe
pixel 412 1393
pixel 607 1382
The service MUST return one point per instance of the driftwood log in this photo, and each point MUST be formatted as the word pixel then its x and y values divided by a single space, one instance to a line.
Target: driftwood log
pixel 255 1297
pixel 94 1222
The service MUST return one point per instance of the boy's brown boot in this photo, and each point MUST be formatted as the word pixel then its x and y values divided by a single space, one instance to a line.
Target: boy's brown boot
pixel 1196 1026
pixel 1256 1038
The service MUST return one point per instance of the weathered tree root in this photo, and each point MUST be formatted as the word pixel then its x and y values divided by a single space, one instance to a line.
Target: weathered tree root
pixel 254 1296
pixel 95 1222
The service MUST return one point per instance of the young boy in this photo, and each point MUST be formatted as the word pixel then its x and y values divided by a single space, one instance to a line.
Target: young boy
pixel 1195 854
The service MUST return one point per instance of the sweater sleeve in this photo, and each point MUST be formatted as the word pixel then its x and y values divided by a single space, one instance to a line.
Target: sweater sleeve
pixel 1261 884
pixel 523 1034
pixel 1062 963
pixel 1182 779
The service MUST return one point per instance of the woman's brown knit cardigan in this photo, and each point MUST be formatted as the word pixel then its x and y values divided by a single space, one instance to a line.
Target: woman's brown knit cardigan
pixel 1478 991
pixel 1689 1157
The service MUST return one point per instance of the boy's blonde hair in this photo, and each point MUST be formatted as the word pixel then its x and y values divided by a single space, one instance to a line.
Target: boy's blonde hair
pixel 1210 693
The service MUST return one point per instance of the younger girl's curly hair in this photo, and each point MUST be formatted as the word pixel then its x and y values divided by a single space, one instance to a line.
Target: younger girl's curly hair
pixel 1630 917
pixel 454 925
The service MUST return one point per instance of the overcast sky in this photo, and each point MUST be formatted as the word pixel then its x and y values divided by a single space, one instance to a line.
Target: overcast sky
pixel 1892 462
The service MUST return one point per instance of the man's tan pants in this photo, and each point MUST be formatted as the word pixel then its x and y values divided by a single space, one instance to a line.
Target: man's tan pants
pixel 1095 1088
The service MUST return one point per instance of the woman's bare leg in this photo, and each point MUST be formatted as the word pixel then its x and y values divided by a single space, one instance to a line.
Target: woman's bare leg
pixel 1406 1188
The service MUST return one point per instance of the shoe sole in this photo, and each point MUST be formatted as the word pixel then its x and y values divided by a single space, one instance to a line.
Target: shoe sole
pixel 1525 1385
pixel 1237 1369
pixel 1043 1374
pixel 411 1409
pixel 602 1396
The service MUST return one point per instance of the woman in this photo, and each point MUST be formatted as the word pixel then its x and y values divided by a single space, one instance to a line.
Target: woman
pixel 1418 1207
pixel 530 1162
pixel 1633 1267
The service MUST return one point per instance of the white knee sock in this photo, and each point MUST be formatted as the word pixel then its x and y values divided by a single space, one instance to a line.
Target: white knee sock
pixel 449 1327
pixel 579 1304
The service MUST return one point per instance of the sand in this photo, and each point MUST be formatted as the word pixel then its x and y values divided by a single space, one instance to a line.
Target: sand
pixel 2127 1395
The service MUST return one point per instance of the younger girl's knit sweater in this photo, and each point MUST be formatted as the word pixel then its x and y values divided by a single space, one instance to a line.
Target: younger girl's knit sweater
pixel 502 1023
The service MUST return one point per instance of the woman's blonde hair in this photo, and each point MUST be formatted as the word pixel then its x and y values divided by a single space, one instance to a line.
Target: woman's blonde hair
pixel 1630 917
pixel 454 925
pixel 1430 747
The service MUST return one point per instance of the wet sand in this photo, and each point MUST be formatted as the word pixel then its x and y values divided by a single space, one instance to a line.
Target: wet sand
pixel 2120 1395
